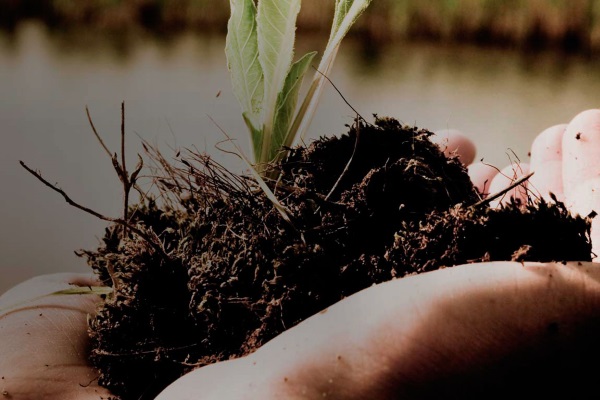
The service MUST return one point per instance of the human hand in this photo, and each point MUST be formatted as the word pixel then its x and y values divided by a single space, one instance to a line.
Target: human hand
pixel 473 331
pixel 44 341
pixel 565 160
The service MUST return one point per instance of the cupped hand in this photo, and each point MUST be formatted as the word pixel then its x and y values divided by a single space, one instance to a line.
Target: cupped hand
pixel 44 341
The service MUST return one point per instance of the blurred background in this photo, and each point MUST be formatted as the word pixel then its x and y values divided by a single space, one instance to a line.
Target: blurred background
pixel 500 71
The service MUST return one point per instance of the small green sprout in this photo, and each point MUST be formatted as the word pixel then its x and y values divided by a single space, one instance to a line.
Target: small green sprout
pixel 266 81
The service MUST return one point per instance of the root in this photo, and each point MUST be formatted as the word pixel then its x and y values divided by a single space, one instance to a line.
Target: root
pixel 96 214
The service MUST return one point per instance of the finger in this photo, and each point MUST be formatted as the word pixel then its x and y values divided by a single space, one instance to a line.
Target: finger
pixel 546 163
pixel 581 168
pixel 581 149
pixel 454 142
pixel 506 177
pixel 481 175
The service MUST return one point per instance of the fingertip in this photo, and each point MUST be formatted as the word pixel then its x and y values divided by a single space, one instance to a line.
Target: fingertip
pixel 547 146
pixel 546 162
pixel 454 142
pixel 481 175
pixel 506 177
pixel 581 150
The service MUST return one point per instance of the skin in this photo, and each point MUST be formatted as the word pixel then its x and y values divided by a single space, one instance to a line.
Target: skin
pixel 482 174
pixel 581 169
pixel 454 142
pixel 472 331
pixel 546 161
pixel 44 343
pixel 504 178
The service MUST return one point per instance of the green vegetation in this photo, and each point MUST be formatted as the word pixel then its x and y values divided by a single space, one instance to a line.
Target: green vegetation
pixel 568 24
pixel 260 51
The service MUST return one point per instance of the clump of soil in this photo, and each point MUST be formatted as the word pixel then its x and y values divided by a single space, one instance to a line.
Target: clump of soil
pixel 230 273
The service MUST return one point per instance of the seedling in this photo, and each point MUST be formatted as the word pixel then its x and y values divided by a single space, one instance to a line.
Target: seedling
pixel 266 81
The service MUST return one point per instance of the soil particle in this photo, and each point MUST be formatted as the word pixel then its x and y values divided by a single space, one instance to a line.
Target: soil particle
pixel 378 203
pixel 553 328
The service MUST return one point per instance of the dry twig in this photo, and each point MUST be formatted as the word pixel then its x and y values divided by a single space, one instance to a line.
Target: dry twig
pixel 504 191
pixel 96 214
pixel 128 181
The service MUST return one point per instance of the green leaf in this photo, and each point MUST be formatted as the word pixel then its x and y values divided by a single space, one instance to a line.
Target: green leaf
pixel 286 103
pixel 256 136
pixel 98 290
pixel 276 35
pixel 342 7
pixel 260 50
pixel 346 14
pixel 241 49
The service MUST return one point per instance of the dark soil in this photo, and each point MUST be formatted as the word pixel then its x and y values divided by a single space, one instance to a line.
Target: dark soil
pixel 232 273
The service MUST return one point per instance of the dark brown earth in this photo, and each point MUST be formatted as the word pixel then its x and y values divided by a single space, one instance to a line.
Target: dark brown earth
pixel 230 273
